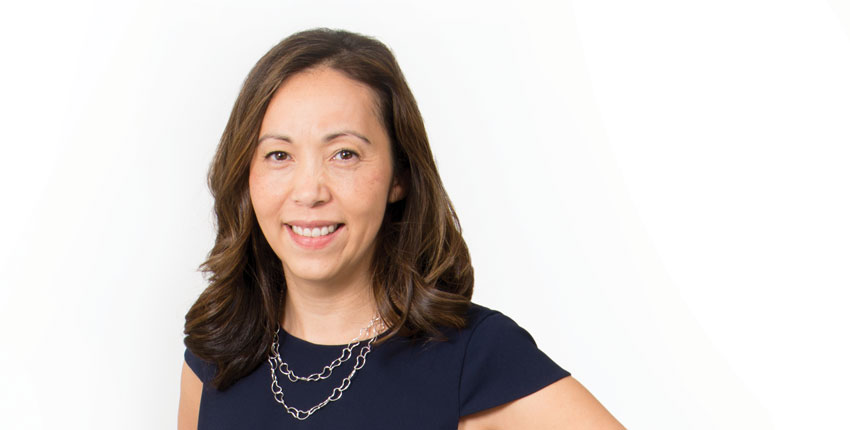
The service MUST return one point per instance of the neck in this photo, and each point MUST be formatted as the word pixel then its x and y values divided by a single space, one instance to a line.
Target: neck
pixel 328 315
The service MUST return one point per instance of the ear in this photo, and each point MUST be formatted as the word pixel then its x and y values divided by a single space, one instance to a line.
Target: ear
pixel 398 190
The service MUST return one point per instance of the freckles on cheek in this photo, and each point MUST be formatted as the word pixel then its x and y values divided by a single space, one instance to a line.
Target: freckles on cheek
pixel 375 180
pixel 365 187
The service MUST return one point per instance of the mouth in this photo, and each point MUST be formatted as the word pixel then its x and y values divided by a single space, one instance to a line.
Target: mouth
pixel 318 231
pixel 314 238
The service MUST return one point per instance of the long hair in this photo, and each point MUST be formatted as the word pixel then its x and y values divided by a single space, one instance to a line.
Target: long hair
pixel 421 272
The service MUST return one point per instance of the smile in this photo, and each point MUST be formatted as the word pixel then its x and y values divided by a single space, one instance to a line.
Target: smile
pixel 316 237
pixel 315 231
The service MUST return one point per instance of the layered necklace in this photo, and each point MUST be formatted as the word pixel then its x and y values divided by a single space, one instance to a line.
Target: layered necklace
pixel 277 363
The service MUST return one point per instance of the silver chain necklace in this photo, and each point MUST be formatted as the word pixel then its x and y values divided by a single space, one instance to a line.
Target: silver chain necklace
pixel 276 362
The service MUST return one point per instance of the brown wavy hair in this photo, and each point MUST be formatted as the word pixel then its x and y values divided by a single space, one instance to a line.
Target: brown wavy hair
pixel 421 272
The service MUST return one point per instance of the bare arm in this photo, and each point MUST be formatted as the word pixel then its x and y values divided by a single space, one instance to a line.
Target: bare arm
pixel 190 399
pixel 563 405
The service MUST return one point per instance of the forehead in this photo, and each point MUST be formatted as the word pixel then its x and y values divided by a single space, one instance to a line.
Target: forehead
pixel 321 98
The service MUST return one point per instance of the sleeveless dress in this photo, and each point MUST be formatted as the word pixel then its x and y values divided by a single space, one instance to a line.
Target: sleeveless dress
pixel 403 384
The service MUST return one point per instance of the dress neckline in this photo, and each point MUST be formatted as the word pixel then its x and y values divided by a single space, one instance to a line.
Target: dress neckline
pixel 297 340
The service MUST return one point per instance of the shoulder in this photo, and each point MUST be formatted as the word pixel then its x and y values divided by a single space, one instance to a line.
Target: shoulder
pixel 489 328
pixel 501 362
pixel 481 319
pixel 477 314
pixel 508 382
pixel 203 369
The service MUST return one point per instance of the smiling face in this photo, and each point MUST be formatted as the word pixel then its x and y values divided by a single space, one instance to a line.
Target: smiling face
pixel 322 176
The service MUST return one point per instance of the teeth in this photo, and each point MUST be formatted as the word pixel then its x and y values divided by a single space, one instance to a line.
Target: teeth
pixel 314 232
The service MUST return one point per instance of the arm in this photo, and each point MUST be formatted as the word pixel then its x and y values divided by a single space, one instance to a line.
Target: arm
pixel 190 399
pixel 562 405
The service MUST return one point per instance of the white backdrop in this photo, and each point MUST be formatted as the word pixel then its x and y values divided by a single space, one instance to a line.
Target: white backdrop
pixel 656 190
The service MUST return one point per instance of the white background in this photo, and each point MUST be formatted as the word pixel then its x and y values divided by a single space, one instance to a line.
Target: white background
pixel 656 190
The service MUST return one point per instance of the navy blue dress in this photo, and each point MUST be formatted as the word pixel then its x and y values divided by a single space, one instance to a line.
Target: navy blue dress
pixel 403 384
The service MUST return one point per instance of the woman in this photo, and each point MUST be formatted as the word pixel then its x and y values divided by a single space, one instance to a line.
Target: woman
pixel 339 253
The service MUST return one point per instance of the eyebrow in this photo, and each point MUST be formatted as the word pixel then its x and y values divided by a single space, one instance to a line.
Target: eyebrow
pixel 327 138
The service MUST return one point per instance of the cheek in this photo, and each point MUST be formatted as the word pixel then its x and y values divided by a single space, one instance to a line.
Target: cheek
pixel 377 186
pixel 363 195
pixel 262 194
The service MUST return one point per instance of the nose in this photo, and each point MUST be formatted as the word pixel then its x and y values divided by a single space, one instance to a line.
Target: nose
pixel 309 185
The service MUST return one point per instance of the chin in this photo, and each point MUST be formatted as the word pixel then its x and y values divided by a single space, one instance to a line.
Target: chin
pixel 307 273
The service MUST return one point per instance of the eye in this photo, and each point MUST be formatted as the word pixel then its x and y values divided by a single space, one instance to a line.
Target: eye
pixel 346 154
pixel 277 155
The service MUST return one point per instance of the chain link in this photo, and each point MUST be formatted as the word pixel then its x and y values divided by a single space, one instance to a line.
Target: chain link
pixel 327 370
pixel 275 362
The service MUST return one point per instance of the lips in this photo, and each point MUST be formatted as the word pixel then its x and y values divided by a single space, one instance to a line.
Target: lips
pixel 330 230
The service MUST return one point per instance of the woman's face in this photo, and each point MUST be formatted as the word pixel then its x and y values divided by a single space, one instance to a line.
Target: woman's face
pixel 321 176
